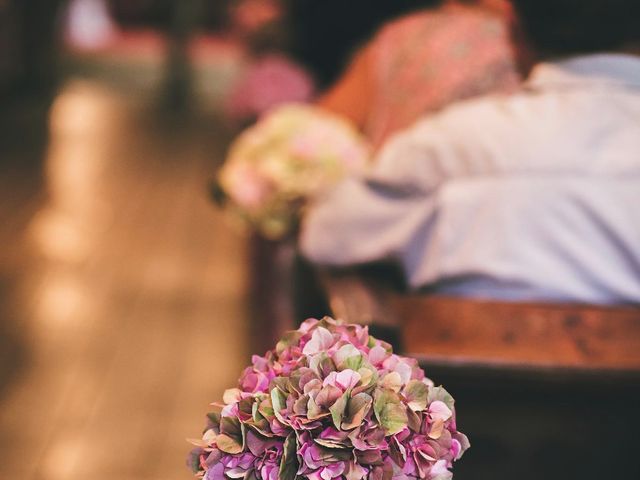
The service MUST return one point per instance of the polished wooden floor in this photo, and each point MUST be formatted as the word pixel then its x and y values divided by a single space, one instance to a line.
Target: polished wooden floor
pixel 122 290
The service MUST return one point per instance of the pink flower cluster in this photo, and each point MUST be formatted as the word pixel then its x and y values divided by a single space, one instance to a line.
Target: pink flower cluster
pixel 288 159
pixel 331 402
pixel 268 82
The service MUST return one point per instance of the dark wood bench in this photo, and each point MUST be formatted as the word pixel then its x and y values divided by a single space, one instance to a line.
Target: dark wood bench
pixel 490 334
pixel 544 390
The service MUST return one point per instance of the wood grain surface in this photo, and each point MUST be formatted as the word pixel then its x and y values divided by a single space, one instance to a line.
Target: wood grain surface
pixel 492 334
pixel 527 335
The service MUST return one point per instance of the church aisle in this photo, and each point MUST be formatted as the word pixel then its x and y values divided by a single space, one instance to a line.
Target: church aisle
pixel 122 290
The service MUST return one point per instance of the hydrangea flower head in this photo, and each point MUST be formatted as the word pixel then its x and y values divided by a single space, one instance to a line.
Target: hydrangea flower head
pixel 331 402
pixel 292 155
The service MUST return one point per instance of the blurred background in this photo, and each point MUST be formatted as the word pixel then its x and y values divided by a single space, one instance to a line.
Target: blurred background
pixel 123 293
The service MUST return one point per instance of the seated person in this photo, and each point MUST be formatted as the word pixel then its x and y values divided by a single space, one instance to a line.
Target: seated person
pixel 424 61
pixel 530 196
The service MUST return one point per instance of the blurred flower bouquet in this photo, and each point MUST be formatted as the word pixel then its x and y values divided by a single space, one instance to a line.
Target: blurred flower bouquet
pixel 289 157
pixel 269 81
pixel 331 402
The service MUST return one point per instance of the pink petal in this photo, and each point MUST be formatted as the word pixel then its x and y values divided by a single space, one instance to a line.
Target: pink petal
pixel 439 411
pixel 347 379
pixel 321 340
pixel 377 354
pixel 439 468
pixel 331 471
pixel 215 473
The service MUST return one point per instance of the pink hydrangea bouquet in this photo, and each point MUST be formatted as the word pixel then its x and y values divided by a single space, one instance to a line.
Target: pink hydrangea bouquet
pixel 269 81
pixel 289 157
pixel 331 402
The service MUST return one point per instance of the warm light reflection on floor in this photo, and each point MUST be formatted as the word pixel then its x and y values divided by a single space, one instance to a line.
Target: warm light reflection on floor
pixel 63 303
pixel 58 236
pixel 62 459
pixel 81 122
pixel 82 107
pixel 129 296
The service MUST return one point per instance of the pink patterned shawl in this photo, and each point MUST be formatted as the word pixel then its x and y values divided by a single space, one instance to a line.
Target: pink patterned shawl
pixel 429 59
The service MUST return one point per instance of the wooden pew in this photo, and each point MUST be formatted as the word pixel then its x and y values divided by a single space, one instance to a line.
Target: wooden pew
pixel 544 390
pixel 491 334
pixel 561 338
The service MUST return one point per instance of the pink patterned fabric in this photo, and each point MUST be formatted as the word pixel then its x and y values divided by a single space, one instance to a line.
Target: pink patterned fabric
pixel 429 59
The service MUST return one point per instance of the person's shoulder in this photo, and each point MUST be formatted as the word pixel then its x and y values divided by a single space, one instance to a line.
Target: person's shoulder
pixel 407 25
pixel 478 116
pixel 473 137
pixel 497 133
pixel 451 15
pixel 541 130
pixel 412 19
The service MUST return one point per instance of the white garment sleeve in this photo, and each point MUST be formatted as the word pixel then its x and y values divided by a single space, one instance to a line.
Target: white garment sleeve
pixel 376 217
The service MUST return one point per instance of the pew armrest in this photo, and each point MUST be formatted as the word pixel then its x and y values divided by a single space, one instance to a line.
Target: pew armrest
pixel 358 298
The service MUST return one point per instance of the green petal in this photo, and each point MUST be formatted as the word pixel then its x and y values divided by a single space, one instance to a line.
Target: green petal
pixel 314 412
pixel 289 338
pixel 266 409
pixel 337 409
pixel 439 393
pixel 390 411
pixel 279 402
pixel 228 444
pixel 230 426
pixel 300 405
pixel 262 427
pixel 214 418
pixel 322 364
pixel 414 420
pixel 357 408
pixel 368 378
pixel 348 356
pixel 283 383
pixel 416 393
pixel 330 443
pixel 289 462
pixel 354 363
pixel 392 381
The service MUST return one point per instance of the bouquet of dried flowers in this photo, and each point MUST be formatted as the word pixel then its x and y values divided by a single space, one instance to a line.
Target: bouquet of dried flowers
pixel 331 402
